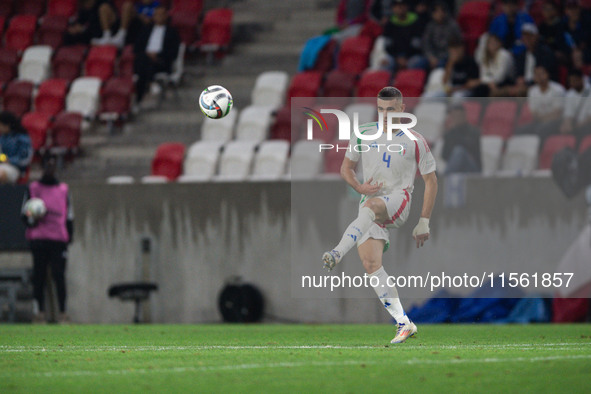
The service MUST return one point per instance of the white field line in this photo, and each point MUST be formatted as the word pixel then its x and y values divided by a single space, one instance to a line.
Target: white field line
pixel 238 367
pixel 82 348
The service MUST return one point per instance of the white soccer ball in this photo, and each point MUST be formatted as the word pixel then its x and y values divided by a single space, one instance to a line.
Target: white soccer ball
pixel 215 102
pixel 35 207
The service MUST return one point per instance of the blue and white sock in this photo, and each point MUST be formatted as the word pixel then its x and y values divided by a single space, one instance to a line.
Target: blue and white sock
pixel 388 295
pixel 355 231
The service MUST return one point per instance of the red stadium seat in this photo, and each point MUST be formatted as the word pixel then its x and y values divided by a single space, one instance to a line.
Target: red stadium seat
pixel 305 84
pixel 410 82
pixel 65 132
pixel 188 6
pixel 281 128
pixel 585 144
pixel 184 15
pixel 21 32
pixel 325 59
pixel 168 160
pixel 52 30
pixel 126 62
pixel 51 97
pixel 372 82
pixel 216 31
pixel 371 29
pixel 17 97
pixel 8 65
pixel 354 55
pixel 473 111
pixel 535 11
pixel 65 8
pixel 116 96
pixel 37 124
pixel 473 19
pixel 553 144
pixel 30 7
pixel 525 115
pixel 499 118
pixel 334 158
pixel 67 62
pixel 339 84
pixel 101 62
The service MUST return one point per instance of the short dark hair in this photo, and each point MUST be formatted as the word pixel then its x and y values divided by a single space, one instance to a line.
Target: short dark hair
pixel 390 93
pixel 438 4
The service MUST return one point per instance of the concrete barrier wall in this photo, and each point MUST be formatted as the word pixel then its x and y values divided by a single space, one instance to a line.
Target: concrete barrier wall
pixel 203 234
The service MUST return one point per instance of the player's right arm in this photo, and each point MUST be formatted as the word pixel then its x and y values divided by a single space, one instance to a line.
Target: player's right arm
pixel 349 175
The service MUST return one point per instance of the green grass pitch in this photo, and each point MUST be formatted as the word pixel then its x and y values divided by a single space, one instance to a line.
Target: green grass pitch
pixel 294 358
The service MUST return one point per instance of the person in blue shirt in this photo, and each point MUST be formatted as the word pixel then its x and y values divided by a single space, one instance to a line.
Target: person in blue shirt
pixel 507 26
pixel 16 150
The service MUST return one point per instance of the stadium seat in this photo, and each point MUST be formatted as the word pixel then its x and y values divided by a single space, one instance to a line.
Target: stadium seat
pixel 184 16
pixel 30 7
pixel 219 129
pixel 326 57
pixel 371 29
pixel 37 124
pixel 120 180
pixel 473 19
pixel 101 62
pixel 35 64
pixel 553 144
pixel 334 158
pixel 65 133
pixel 126 62
pixel 51 30
pixel 168 160
pixel 281 128
pixel 116 99
pixel 84 96
pixel 585 144
pixel 410 83
pixel 372 82
pixel 305 84
pixel 67 62
pixel 491 147
pixel 65 8
pixel 521 154
pixel 8 65
pixel 236 161
pixel 525 116
pixel 473 110
pixel 306 160
pixel 536 11
pixel 499 118
pixel 353 56
pixel 21 32
pixel 270 160
pixel 201 161
pixel 253 123
pixel 269 89
pixel 366 112
pixel 17 97
pixel 51 97
pixel 338 83
pixel 216 30
pixel 430 119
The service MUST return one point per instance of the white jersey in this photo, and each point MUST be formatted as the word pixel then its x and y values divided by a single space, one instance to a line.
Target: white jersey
pixel 393 163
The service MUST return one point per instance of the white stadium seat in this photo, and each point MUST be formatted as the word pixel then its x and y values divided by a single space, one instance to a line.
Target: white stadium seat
pixel 236 161
pixel 35 64
pixel 253 123
pixel 521 155
pixel 430 119
pixel 84 96
pixel 156 179
pixel 366 112
pixel 270 161
pixel 120 180
pixel 306 160
pixel 219 129
pixel 201 161
pixel 491 147
pixel 270 89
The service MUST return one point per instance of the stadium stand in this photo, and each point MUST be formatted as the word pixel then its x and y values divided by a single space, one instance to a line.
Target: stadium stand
pixel 270 160
pixel 270 88
pixel 17 97
pixel 65 134
pixel 491 147
pixel 67 62
pixel 184 17
pixel 499 118
pixel 100 62
pixel 216 31
pixel 201 162
pixel 84 96
pixel 552 145
pixel 21 32
pixel 51 30
pixel 37 124
pixel 35 64
pixel 236 161
pixel 371 82
pixel 305 84
pixel 253 124
pixel 366 112
pixel 168 160
pixel 334 158
pixel 51 97
pixel 473 19
pixel 521 154
pixel 306 163
pixel 219 129
pixel 30 7
pixel 353 55
pixel 8 65
pixel 432 119
pixel 65 8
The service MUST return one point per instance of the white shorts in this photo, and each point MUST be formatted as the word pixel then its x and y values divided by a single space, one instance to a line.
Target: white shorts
pixel 398 208
pixel 12 173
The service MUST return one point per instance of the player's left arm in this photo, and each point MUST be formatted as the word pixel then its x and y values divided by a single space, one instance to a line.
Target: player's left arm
pixel 421 230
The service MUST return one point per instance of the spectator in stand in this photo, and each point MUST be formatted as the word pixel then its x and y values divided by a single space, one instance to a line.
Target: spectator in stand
pixel 577 23
pixel 353 12
pixel 403 35
pixel 536 53
pixel 508 25
pixel 553 33
pixel 134 17
pixel 461 143
pixel 496 67
pixel 49 237
pixel 16 149
pixel 155 50
pixel 577 107
pixel 438 33
pixel 95 23
pixel 546 103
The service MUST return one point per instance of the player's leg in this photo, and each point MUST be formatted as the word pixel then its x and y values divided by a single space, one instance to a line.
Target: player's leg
pixel 40 263
pixel 58 269
pixel 373 210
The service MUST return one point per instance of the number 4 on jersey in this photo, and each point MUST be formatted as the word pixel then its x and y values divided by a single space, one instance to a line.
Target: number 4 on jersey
pixel 386 160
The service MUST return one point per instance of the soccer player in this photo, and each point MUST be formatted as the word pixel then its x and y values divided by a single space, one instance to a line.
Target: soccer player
pixel 385 200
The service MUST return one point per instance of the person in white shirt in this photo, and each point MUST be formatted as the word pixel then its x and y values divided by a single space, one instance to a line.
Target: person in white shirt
pixel 496 65
pixel 576 118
